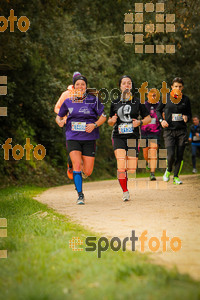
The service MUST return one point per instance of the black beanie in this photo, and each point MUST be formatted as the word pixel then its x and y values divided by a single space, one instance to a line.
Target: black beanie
pixel 127 76
pixel 80 77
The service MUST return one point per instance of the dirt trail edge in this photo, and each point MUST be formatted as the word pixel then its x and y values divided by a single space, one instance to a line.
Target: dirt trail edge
pixel 154 206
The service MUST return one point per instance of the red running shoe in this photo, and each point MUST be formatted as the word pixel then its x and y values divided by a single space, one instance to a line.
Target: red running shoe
pixel 69 172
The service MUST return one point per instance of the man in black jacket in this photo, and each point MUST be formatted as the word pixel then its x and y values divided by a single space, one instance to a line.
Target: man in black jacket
pixel 173 116
pixel 194 137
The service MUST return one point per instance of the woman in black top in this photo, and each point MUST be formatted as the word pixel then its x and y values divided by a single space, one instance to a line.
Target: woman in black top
pixel 124 113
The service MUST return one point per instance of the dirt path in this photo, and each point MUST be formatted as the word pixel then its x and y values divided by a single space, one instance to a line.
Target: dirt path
pixel 175 209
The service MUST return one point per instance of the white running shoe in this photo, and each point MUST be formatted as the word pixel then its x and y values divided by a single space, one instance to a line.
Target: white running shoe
pixel 81 199
pixel 166 176
pixel 176 180
pixel 194 171
pixel 126 196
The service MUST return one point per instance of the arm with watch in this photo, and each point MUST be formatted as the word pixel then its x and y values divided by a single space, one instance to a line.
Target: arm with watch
pixel 90 127
pixel 159 112
pixel 163 123
pixel 145 121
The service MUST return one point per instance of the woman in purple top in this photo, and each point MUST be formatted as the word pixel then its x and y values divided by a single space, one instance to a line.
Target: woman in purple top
pixel 81 130
pixel 151 133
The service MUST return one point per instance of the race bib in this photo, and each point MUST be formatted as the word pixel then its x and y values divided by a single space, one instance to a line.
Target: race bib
pixel 125 128
pixel 153 121
pixel 177 117
pixel 78 126
pixel 196 138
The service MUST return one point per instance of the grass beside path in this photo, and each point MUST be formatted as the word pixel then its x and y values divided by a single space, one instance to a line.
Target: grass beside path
pixel 40 264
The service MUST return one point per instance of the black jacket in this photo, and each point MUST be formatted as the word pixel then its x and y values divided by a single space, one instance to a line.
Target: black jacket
pixel 170 108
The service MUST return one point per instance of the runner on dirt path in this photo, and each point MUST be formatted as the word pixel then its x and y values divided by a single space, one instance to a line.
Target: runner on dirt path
pixel 176 115
pixel 67 94
pixel 151 133
pixel 194 138
pixel 81 131
pixel 124 113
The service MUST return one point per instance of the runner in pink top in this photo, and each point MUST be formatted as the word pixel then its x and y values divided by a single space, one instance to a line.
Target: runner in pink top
pixel 151 133
pixel 67 94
